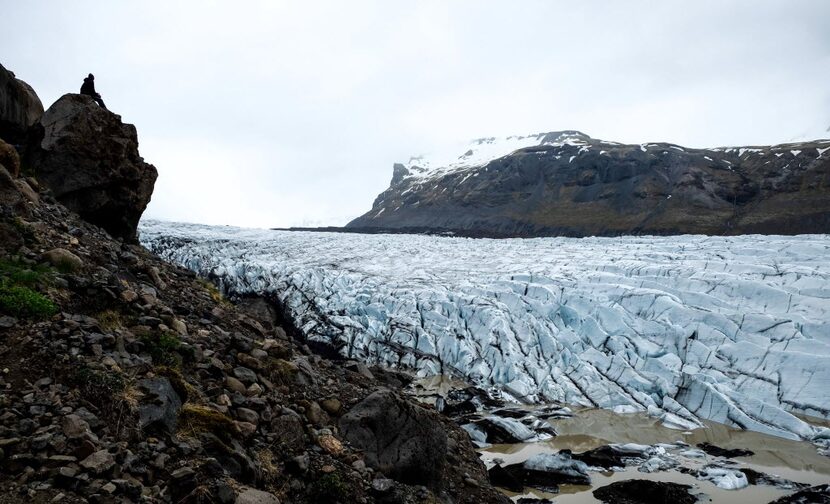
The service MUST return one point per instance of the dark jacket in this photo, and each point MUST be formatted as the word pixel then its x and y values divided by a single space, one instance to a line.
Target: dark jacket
pixel 88 87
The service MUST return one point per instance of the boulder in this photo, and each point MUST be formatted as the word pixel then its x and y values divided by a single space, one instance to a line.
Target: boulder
pixel 553 469
pixel 717 451
pixel 74 426
pixel 644 492
pixel 288 429
pixel 10 196
pixel 612 456
pixel 10 159
pixel 90 161
pixel 159 408
pixel 99 462
pixel 20 108
pixel 400 439
pixel 819 494
pixel 254 496
pixel 63 259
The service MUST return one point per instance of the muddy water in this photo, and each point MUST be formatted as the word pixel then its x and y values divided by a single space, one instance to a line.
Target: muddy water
pixel 590 428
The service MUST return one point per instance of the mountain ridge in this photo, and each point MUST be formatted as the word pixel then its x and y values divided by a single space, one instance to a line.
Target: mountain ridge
pixel 568 183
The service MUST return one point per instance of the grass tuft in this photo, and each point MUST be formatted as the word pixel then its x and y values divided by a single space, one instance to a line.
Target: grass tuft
pixel 214 292
pixel 195 419
pixel 109 320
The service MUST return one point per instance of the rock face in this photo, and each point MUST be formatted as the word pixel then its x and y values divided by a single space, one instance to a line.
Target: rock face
pixel 11 199
pixel 399 439
pixel 20 108
pixel 9 158
pixel 90 161
pixel 567 183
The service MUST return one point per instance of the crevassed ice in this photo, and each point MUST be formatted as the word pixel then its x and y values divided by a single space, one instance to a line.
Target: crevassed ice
pixel 730 329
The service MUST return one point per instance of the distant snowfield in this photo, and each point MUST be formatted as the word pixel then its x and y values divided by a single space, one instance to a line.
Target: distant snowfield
pixel 730 329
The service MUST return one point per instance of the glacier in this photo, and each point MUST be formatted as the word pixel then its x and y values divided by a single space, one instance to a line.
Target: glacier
pixel 733 329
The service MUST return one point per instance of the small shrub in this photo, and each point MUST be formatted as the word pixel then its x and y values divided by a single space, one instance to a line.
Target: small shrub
pixel 162 348
pixel 266 462
pixel 97 385
pixel 19 273
pixel 114 397
pixel 17 295
pixel 330 488
pixel 22 302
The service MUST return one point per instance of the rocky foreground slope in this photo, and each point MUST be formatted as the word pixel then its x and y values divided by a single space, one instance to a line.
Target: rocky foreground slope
pixel 126 379
pixel 567 183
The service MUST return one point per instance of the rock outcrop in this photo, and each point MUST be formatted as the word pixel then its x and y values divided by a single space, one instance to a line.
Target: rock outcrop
pixel 567 183
pixel 20 108
pixel 11 199
pixel 9 158
pixel 399 438
pixel 90 161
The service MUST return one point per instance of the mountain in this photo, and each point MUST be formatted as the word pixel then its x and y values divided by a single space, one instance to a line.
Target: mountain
pixel 567 183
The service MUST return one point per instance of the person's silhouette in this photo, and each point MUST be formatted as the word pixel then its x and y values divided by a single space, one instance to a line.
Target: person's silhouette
pixel 88 88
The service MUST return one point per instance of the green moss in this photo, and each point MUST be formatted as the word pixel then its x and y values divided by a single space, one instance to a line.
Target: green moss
pixel 330 488
pixel 23 302
pixel 20 273
pixel 18 296
pixel 162 347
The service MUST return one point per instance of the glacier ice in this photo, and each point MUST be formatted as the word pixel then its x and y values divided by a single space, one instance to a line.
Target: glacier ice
pixel 730 329
pixel 728 479
pixel 560 464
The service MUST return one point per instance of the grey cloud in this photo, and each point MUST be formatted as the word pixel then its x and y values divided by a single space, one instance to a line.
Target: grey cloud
pixel 282 113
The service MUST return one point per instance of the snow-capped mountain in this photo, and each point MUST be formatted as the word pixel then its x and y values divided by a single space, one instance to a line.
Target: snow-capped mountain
pixel 567 183
pixel 484 150
pixel 731 329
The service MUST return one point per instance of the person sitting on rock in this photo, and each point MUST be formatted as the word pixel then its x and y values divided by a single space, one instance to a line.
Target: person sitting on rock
pixel 88 88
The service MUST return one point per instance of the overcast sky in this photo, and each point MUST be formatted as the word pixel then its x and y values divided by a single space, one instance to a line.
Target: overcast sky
pixel 291 113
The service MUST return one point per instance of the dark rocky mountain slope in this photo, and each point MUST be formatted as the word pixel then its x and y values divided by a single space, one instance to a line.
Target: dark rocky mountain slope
pixel 566 183
pixel 126 379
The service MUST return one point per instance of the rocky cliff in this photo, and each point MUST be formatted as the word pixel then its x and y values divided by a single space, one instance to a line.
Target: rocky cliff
pixel 567 183
pixel 126 379
pixel 20 108
pixel 90 161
